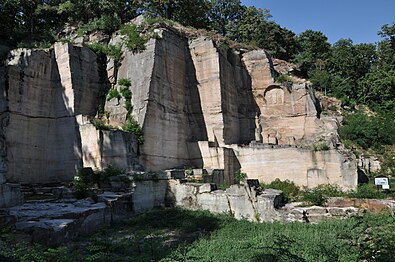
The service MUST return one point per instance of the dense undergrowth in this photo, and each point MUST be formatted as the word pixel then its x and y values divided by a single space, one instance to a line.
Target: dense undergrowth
pixel 320 194
pixel 180 235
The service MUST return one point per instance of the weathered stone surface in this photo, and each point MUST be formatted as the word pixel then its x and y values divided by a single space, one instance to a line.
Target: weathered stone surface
pixel 41 150
pixel 149 194
pixel 369 164
pixel 207 188
pixel 2 178
pixel 53 223
pixel 101 148
pixel 46 89
pixel 195 102
pixel 305 167
pixel 373 205
pixel 240 201
pixel 10 195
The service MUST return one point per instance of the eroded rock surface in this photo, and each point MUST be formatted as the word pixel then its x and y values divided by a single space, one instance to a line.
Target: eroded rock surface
pixel 251 203
pixel 199 106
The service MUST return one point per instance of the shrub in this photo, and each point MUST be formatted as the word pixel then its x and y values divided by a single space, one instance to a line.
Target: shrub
pixel 320 194
pixel 367 191
pixel 132 126
pixel 34 44
pixel 321 146
pixel 112 51
pixel 107 24
pixel 124 82
pixel 374 235
pixel 100 111
pixel 239 176
pixel 127 94
pixel 114 93
pixel 284 80
pixel 369 131
pixel 133 41
pixel 222 45
pixel 290 190
pixel 100 124
pixel 113 170
pixel 82 182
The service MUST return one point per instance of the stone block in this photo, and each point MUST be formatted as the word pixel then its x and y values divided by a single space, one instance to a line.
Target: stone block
pixel 207 188
pixel 10 195
pixel 216 202
pixel 175 174
pixel 2 178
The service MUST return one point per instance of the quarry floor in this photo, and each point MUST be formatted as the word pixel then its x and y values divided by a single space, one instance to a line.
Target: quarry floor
pixel 174 234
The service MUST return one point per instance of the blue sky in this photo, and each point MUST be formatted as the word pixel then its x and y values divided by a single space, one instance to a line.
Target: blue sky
pixel 359 20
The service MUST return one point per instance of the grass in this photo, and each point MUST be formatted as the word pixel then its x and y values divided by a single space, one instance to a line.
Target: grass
pixel 320 194
pixel 181 235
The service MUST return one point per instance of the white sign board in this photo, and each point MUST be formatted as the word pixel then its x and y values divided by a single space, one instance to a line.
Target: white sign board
pixel 386 186
pixel 381 181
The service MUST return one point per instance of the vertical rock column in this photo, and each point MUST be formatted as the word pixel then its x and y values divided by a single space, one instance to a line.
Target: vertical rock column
pixel 158 84
pixel 207 65
pixel 47 89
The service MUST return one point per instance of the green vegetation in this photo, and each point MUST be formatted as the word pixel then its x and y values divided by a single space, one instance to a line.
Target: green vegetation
pixel 34 44
pixel 181 235
pixel 369 191
pixel 240 177
pixel 101 124
pixel 133 41
pixel 86 179
pixel 112 51
pixel 284 80
pixel 290 190
pixel 105 23
pixel 319 195
pixel 113 93
pixel 369 131
pixel 132 126
pixel 321 146
pixel 125 85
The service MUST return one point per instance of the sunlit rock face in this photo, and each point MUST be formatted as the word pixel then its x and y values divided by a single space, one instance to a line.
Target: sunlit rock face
pixel 46 90
pixel 198 105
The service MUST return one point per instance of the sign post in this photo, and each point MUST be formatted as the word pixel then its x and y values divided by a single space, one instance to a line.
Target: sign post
pixel 382 181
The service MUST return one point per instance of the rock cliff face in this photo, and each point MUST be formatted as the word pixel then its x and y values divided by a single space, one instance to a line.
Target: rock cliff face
pixel 199 106
pixel 45 90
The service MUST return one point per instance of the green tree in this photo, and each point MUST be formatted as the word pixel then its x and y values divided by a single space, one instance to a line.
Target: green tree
pixel 377 90
pixel 188 13
pixel 314 50
pixel 225 16
pixel 369 131
pixel 252 24
pixel 279 41
pixel 347 64
pixel 255 28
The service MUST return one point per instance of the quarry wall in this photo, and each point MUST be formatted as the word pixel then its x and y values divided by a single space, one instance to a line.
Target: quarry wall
pixel 198 105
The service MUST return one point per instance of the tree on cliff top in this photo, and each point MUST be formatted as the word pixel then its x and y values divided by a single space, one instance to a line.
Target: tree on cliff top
pixel 225 16
pixel 314 49
pixel 188 13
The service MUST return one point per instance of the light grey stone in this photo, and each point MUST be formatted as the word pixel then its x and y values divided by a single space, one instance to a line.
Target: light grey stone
pixel 206 188
pixel 10 195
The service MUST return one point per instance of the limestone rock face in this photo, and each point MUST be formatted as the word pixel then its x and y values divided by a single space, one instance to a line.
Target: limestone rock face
pixel 40 125
pixel 46 90
pixel 199 106
pixel 286 115
pixel 306 167
pixel 101 148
